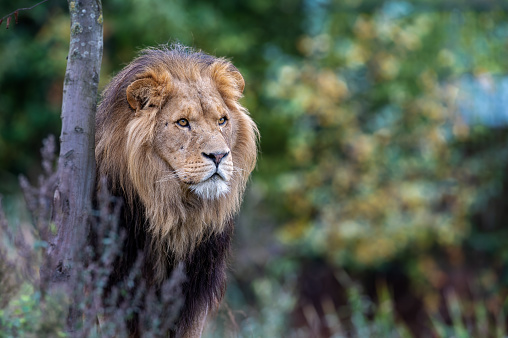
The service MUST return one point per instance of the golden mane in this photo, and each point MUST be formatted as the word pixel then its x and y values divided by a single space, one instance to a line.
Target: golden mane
pixel 177 219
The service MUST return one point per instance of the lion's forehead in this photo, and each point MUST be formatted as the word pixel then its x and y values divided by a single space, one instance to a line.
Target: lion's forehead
pixel 196 99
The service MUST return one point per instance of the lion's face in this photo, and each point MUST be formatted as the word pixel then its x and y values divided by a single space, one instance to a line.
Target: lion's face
pixel 194 133
pixel 172 135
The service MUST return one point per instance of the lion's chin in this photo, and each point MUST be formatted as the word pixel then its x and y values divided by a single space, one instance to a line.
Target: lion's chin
pixel 212 188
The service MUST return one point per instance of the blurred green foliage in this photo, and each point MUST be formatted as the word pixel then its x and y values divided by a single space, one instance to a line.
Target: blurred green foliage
pixel 377 165
pixel 368 161
pixel 27 316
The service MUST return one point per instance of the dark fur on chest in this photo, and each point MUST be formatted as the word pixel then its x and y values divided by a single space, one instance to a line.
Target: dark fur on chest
pixel 205 268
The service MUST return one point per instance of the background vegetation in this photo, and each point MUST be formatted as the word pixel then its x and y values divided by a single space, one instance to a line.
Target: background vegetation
pixel 379 201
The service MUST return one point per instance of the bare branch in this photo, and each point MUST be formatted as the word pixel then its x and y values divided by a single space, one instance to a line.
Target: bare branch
pixel 4 227
pixel 15 13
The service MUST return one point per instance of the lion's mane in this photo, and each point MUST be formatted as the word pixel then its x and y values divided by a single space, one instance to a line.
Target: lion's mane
pixel 164 221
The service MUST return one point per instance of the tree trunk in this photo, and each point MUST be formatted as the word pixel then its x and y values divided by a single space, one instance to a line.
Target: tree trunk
pixel 76 164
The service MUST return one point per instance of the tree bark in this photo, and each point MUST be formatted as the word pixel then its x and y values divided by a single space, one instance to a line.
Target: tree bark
pixel 76 164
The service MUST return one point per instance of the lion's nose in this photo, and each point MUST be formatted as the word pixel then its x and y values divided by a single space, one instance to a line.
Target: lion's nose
pixel 215 157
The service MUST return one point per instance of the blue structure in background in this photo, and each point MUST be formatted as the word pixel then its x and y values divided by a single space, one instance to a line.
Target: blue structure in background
pixel 484 100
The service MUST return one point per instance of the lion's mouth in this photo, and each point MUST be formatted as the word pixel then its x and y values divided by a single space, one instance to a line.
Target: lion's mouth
pixel 215 177
pixel 212 187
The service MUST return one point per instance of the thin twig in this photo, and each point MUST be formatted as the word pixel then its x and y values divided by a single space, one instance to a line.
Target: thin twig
pixel 22 9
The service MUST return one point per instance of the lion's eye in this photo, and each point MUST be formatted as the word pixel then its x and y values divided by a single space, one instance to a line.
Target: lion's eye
pixel 183 122
pixel 222 121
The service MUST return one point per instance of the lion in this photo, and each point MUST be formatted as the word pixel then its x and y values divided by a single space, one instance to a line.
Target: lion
pixel 174 142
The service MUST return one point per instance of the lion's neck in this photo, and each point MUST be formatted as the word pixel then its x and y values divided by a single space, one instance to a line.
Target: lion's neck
pixel 180 222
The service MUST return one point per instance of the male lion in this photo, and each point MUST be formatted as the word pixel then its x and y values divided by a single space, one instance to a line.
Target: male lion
pixel 175 144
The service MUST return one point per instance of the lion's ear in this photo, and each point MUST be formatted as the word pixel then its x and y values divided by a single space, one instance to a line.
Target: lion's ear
pixel 148 91
pixel 139 92
pixel 230 82
pixel 238 79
